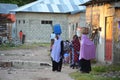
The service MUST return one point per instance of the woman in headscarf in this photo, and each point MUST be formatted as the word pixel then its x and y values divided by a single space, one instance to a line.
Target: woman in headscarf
pixel 56 54
pixel 87 52
pixel 75 51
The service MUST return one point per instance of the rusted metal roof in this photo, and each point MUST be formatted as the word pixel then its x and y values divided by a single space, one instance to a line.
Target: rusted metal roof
pixel 7 18
pixel 5 15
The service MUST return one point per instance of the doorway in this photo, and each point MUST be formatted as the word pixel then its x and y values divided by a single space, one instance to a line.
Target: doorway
pixel 108 38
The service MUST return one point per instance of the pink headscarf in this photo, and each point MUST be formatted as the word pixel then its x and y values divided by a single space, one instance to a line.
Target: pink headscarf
pixel 87 49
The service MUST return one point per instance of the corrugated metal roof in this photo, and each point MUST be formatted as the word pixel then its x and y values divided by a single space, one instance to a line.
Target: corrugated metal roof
pixel 5 8
pixel 67 2
pixel 53 6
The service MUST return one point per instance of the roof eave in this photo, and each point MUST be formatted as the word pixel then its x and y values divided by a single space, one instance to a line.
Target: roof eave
pixel 91 2
pixel 42 12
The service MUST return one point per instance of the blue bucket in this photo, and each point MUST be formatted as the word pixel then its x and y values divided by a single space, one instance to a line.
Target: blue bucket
pixel 57 29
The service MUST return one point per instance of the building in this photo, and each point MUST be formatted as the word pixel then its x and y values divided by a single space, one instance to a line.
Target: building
pixel 7 20
pixel 36 19
pixel 104 16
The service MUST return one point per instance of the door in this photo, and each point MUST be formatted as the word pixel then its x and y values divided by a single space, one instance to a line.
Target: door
pixel 108 40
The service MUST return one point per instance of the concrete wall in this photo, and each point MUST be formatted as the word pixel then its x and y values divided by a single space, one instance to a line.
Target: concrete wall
pixel 30 24
pixel 74 21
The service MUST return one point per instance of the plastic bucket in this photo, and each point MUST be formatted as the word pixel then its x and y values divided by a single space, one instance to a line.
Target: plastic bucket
pixel 57 29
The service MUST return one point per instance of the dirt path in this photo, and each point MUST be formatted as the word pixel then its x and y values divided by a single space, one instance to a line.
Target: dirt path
pixel 27 65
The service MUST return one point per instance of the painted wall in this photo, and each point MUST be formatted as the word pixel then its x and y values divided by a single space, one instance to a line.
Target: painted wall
pixel 96 15
pixel 30 24
pixel 116 37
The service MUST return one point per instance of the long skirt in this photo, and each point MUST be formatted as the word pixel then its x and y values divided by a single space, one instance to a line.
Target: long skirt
pixel 74 59
pixel 85 65
pixel 57 66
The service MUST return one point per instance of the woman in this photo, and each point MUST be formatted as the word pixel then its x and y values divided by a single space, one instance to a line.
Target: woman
pixel 87 52
pixel 75 51
pixel 56 54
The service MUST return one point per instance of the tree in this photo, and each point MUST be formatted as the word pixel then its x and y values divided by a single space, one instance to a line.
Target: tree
pixel 18 2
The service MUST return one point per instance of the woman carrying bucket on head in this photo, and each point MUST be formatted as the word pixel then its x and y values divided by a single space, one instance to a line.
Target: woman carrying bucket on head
pixel 57 50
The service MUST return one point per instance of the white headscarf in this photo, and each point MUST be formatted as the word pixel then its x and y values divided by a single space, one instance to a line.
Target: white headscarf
pixel 55 54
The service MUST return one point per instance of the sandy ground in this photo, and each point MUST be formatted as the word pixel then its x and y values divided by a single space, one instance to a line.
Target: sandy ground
pixel 31 72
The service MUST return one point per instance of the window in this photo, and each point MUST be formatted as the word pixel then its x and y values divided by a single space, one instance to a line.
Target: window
pixel 46 22
pixel 23 21
pixel 19 21
pixel 73 27
pixel 76 25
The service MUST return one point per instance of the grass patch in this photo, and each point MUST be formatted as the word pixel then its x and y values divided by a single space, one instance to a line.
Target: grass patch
pixel 100 69
pixel 33 45
pixel 106 68
pixel 80 76
pixel 96 72
pixel 23 46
